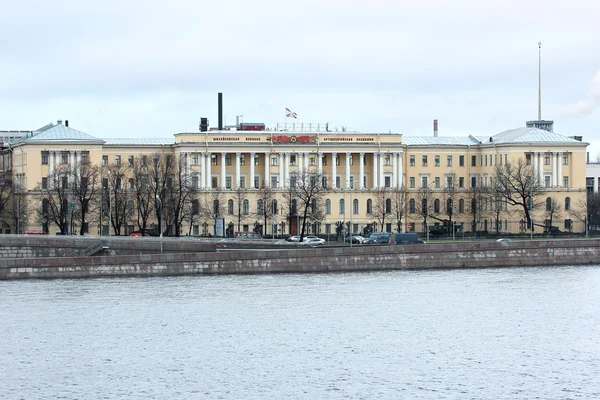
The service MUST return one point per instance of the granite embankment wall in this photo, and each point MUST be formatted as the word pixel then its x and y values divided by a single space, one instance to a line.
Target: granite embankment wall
pixel 24 246
pixel 284 260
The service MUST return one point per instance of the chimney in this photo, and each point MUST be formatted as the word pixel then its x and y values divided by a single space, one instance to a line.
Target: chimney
pixel 588 157
pixel 435 128
pixel 59 122
pixel 220 111
pixel 67 123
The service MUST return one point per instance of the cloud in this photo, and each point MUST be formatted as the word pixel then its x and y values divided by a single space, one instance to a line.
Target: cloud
pixel 587 106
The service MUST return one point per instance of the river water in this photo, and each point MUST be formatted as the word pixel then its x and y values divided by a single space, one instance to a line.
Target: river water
pixel 511 333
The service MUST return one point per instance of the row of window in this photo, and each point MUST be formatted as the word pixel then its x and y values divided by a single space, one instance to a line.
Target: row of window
pixel 476 181
pixel 63 157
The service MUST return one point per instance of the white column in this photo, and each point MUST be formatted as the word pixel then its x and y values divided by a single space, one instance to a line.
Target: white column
pixel 251 184
pixel 281 170
pixel 560 175
pixel 394 170
pixel 400 177
pixel 333 170
pixel 361 174
pixel 320 162
pixel 300 162
pixel 202 171
pixel 381 180
pixel 536 163
pixel 188 164
pixel 541 170
pixel 267 170
pixel 347 170
pixel 237 170
pixel 305 161
pixel 287 167
pixel 223 170
pixel 375 175
pixel 51 170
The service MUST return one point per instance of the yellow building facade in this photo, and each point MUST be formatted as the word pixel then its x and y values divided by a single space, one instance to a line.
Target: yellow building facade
pixel 359 170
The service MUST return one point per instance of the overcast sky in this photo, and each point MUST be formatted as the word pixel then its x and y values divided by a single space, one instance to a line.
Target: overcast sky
pixel 153 68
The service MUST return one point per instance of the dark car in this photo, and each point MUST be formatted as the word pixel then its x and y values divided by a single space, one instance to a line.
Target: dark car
pixel 354 239
pixel 380 237
pixel 407 238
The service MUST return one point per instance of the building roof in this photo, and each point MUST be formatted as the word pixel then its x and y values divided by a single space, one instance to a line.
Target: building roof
pixel 139 141
pixel 58 133
pixel 440 140
pixel 531 135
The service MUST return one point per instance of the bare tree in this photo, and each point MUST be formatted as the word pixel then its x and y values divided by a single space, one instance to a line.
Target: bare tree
pixel 86 186
pixel 382 206
pixel 399 204
pixel 517 184
pixel 290 204
pixel 143 192
pixel 118 196
pixel 178 192
pixel 161 168
pixel 553 211
pixel 264 209
pixel 212 206
pixel 308 190
pixel 239 213
pixel 7 198
pixel 424 199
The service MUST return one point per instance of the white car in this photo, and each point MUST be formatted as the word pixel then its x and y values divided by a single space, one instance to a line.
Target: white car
pixel 312 239
pixel 314 242
pixel 294 238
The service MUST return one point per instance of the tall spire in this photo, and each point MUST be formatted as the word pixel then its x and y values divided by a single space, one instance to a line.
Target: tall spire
pixel 539 81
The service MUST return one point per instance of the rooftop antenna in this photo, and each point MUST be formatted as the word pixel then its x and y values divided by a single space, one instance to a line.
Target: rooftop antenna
pixel 539 81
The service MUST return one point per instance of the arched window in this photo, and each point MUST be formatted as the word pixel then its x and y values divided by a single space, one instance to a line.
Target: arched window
pixel 548 204
pixel 259 207
pixel 342 206
pixel 473 206
pixel 246 207
pixel 424 207
pixel 568 204
pixel 461 206
pixel 388 206
pixel 369 206
pixel 274 210
pixel 230 207
pixel 449 208
pixel 313 206
pixel 411 206
pixel 327 206
pixel 355 206
pixel 216 208
pixel 436 206
pixel 294 207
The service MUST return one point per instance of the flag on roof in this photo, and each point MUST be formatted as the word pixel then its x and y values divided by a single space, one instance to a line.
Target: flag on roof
pixel 290 113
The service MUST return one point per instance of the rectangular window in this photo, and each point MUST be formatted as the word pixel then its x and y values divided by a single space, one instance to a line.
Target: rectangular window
pixel 388 181
pixel 528 159
pixel 437 161
pixel 194 159
pixel 449 161
pixel 337 160
pixel 437 182
pixel 486 160
pixel 424 159
pixel 105 160
pixel 565 159
pixel 324 160
pixel 130 161
pixel 256 182
pixel 228 159
pixel 117 160
pixel 505 159
pixel 387 160
pixel 365 180
pixel 547 181
pixel 324 183
pixel 312 160
pixel 214 182
pixel 256 159
pixel 461 161
pixel 461 182
pixel 412 161
pixel 424 182
pixel 449 181
pixel 566 181
pixel 473 181
pixel 473 161
pixel 64 182
pixel 273 160
pixel 44 183
pixel 480 160
pixel 547 159
pixel 242 159
pixel 412 182
pixel 228 182
pixel 243 182
pixel 213 159
pixel 195 182
pixel 44 158
pixel 274 181
pixel 64 157
pixel 292 159
pixel 337 182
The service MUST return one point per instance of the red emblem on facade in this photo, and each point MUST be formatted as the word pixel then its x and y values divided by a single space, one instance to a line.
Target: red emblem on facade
pixel 294 139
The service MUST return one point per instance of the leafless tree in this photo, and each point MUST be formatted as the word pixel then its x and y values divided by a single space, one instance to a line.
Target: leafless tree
pixel 382 206
pixel 553 211
pixel 161 167
pixel 264 210
pixel 212 206
pixel 54 195
pixel 517 184
pixel 119 206
pixel 7 198
pixel 424 199
pixel 399 197
pixel 178 192
pixel 86 187
pixel 308 190
pixel 239 213
pixel 143 192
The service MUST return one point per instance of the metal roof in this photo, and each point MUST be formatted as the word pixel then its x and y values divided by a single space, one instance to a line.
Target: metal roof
pixel 531 135
pixel 439 140
pixel 139 141
pixel 58 133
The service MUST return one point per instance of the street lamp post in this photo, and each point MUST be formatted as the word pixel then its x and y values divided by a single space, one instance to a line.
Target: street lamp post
pixel 109 205
pixel 160 222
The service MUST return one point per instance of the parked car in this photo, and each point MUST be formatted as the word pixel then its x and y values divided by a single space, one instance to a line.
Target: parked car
pixel 247 235
pixel 408 238
pixel 370 240
pixel 314 242
pixel 294 238
pixel 310 237
pixel 504 240
pixel 381 237
pixel 138 234
pixel 354 239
